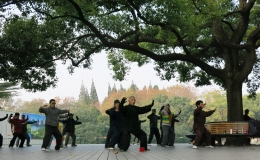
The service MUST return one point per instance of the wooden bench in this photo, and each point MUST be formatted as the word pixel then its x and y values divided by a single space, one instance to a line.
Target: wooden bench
pixel 225 129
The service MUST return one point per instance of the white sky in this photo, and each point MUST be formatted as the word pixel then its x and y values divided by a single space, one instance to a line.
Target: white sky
pixel 69 85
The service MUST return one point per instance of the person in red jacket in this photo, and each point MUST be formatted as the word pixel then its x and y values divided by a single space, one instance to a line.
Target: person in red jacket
pixel 16 126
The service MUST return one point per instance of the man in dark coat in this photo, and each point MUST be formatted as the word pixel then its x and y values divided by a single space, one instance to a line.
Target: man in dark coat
pixel 154 127
pixel 131 120
pixel 115 130
pixel 198 126
pixel 70 129
pixel 246 117
pixel 1 137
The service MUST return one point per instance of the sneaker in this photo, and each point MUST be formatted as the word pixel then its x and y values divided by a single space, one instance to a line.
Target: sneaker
pixel 209 146
pixel 73 145
pixel 43 149
pixel 21 147
pixel 163 146
pixel 10 146
pixel 147 149
pixel 110 148
pixel 29 145
pixel 194 147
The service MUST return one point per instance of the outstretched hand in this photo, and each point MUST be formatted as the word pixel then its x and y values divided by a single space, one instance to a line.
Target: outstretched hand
pixel 6 115
pixel 77 118
pixel 11 115
pixel 123 100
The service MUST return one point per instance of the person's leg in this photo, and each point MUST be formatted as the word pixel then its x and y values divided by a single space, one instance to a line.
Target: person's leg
pixel 114 138
pixel 67 139
pixel 17 142
pixel 73 136
pixel 198 137
pixel 26 136
pixel 1 140
pixel 109 134
pixel 151 135
pixel 49 145
pixel 165 135
pixel 56 133
pixel 125 141
pixel 171 137
pixel 22 138
pixel 208 137
pixel 13 140
pixel 157 136
pixel 47 136
pixel 161 134
pixel 142 136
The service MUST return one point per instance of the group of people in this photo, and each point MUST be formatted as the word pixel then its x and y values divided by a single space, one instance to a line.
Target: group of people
pixel 124 121
pixel 53 128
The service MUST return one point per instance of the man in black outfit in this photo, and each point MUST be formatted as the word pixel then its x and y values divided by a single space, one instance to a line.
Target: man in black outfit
pixel 154 127
pixel 130 125
pixel 70 129
pixel 246 117
pixel 1 137
pixel 116 123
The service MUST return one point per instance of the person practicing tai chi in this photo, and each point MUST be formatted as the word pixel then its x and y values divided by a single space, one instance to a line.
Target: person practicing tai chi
pixel 51 124
pixel 115 130
pixel 198 126
pixel 154 127
pixel 1 137
pixel 16 126
pixel 70 129
pixel 131 123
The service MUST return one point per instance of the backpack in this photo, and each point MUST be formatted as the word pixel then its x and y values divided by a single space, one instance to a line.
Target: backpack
pixel 254 126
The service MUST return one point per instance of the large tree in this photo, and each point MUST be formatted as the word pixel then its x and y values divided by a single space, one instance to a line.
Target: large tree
pixel 208 41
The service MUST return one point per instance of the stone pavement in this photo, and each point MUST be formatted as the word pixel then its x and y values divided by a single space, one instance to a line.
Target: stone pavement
pixel 181 151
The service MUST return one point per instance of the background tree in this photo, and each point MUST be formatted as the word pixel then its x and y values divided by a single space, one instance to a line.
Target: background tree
pixel 205 41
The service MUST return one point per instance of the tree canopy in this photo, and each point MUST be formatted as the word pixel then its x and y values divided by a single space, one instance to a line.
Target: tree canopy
pixel 207 41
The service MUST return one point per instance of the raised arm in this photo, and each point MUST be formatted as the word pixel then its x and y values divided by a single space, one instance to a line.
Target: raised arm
pixel 43 108
pixel 1 119
pixel 145 109
pixel 122 109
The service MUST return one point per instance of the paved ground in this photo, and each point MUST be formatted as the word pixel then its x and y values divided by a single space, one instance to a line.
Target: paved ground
pixel 98 152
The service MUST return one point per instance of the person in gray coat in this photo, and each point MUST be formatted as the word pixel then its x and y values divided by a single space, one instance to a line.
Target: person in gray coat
pixel 51 124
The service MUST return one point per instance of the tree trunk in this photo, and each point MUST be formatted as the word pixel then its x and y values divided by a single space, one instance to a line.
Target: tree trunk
pixel 235 111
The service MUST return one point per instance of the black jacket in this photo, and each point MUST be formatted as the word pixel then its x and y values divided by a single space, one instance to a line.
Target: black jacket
pixel 153 120
pixel 116 118
pixel 70 124
pixel 130 115
pixel 24 126
pixel 1 119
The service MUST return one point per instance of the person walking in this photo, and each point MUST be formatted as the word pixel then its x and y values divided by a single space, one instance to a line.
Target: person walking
pixel 51 124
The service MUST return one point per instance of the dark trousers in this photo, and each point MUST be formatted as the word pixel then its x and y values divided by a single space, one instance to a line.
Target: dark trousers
pixel 73 136
pixel 49 131
pixel 1 140
pixel 109 135
pixel 200 134
pixel 26 136
pixel 125 141
pixel 154 131
pixel 19 135
pixel 116 133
